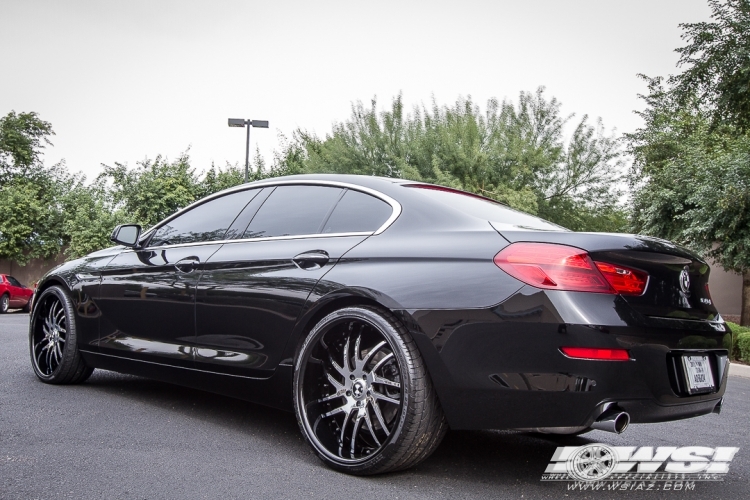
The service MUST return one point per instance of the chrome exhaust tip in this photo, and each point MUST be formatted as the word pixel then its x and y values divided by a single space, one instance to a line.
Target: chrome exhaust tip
pixel 613 420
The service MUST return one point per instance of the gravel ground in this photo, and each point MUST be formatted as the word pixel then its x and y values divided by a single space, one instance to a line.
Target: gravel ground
pixel 118 436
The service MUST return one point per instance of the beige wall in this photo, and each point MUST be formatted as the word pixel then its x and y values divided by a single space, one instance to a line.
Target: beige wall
pixel 32 271
pixel 726 291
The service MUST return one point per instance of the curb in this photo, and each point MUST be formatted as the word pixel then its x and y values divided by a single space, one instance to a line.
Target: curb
pixel 737 370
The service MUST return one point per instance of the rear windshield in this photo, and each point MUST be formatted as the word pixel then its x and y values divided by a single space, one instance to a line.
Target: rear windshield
pixel 484 208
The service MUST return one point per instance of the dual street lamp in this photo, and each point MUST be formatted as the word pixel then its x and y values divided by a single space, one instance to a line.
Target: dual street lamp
pixel 239 122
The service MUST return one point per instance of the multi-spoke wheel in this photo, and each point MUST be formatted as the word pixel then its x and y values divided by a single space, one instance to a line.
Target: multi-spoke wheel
pixel 4 303
pixel 52 340
pixel 363 397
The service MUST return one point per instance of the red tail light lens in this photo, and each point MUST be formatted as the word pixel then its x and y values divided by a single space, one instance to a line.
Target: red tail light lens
pixel 552 267
pixel 596 353
pixel 624 280
pixel 561 267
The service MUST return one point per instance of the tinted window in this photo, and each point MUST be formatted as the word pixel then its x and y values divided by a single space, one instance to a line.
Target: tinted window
pixel 293 210
pixel 358 212
pixel 243 220
pixel 207 222
pixel 13 281
pixel 486 209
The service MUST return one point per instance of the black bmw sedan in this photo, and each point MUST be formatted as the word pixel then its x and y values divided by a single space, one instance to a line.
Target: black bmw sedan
pixel 383 311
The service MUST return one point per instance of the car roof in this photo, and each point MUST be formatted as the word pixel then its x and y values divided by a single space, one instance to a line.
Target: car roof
pixel 370 181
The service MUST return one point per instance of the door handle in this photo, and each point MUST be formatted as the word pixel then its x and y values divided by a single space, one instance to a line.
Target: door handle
pixel 187 265
pixel 309 261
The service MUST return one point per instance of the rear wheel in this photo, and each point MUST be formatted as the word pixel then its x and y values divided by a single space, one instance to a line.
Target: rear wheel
pixel 52 340
pixel 362 395
pixel 4 303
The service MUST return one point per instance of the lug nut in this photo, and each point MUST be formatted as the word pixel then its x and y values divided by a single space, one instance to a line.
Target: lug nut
pixel 348 393
pixel 351 377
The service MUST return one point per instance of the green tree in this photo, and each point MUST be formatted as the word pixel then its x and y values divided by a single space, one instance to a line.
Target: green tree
pixel 22 137
pixel 90 217
pixel 217 179
pixel 145 195
pixel 515 153
pixel 153 190
pixel 717 60
pixel 30 195
pixel 700 197
pixel 692 156
pixel 31 215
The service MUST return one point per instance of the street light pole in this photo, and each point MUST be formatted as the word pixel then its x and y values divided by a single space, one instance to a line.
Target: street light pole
pixel 247 153
pixel 239 122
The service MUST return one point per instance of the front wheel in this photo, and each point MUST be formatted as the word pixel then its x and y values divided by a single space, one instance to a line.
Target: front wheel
pixel 52 340
pixel 4 303
pixel 362 394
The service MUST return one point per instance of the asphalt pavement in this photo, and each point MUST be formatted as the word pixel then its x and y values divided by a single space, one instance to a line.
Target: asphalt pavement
pixel 119 436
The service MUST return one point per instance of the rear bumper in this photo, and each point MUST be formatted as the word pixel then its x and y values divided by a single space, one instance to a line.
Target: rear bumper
pixel 499 368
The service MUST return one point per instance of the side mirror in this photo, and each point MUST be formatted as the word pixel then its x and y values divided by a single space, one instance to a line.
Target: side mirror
pixel 126 234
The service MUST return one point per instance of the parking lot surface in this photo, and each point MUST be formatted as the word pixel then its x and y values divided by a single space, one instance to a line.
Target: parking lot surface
pixel 118 436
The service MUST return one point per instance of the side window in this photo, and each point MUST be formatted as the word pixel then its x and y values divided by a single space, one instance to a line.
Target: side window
pixel 243 220
pixel 358 212
pixel 293 210
pixel 207 222
pixel 13 281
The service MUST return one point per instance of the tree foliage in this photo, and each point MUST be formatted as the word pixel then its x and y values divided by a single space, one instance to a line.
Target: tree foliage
pixel 515 153
pixel 144 195
pixel 691 169
pixel 22 137
pixel 31 207
pixel 31 215
pixel 44 210
pixel 717 61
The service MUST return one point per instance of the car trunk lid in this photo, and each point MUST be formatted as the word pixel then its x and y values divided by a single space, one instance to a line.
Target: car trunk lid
pixel 678 278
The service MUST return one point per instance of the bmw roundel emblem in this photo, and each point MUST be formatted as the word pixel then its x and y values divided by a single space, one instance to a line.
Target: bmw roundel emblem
pixel 685 280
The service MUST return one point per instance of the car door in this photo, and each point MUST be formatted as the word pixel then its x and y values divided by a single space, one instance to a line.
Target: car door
pixel 147 295
pixel 253 290
pixel 18 293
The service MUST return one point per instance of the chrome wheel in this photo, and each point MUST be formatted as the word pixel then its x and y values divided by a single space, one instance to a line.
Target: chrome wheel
pixel 4 303
pixel 49 336
pixel 350 393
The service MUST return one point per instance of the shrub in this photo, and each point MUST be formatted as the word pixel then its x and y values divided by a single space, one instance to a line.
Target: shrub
pixel 734 351
pixel 743 345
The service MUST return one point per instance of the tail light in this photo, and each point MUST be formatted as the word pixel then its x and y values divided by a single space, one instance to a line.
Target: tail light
pixel 561 267
pixel 596 353
pixel 624 280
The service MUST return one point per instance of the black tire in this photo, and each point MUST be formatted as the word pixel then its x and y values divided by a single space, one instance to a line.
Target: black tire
pixel 27 307
pixel 4 303
pixel 387 394
pixel 52 340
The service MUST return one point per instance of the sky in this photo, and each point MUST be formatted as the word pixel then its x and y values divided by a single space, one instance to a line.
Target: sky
pixel 122 81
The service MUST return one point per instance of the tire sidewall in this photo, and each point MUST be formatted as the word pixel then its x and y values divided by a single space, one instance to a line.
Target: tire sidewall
pixel 4 303
pixel 70 339
pixel 396 343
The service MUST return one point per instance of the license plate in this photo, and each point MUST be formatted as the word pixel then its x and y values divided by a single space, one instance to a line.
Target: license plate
pixel 698 373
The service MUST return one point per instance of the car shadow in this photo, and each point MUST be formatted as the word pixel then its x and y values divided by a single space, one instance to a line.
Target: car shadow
pixel 489 457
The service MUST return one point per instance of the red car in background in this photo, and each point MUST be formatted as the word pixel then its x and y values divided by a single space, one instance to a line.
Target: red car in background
pixel 13 295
